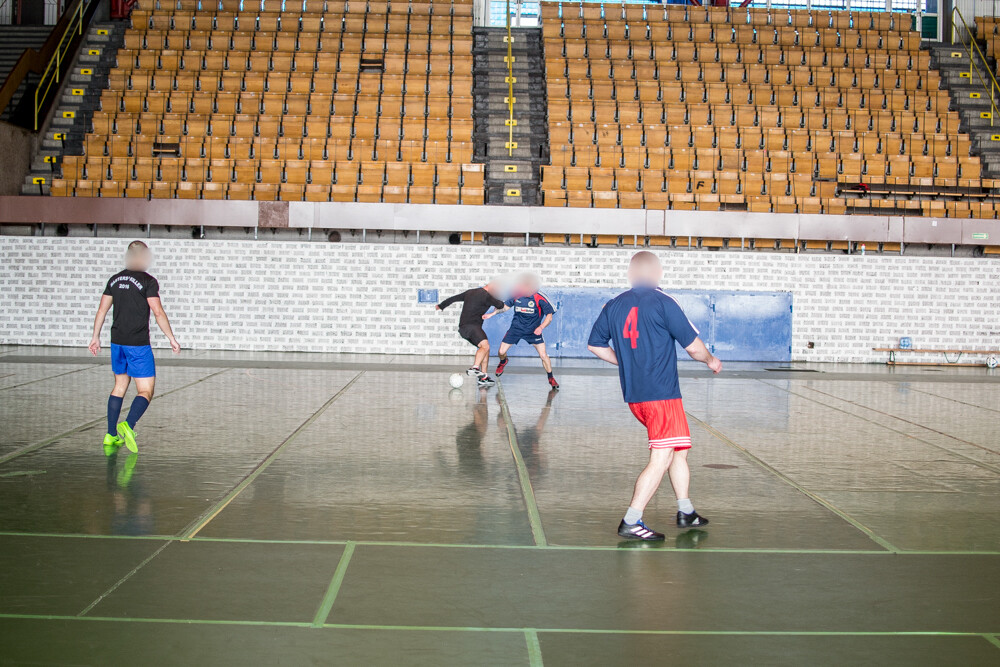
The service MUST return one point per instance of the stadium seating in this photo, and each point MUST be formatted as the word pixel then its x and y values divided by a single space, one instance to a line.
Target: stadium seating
pixel 749 109
pixel 336 100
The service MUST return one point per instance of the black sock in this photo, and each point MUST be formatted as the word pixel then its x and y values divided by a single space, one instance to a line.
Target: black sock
pixel 550 374
pixel 503 357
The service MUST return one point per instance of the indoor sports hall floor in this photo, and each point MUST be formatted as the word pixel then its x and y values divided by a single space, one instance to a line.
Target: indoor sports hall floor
pixel 324 509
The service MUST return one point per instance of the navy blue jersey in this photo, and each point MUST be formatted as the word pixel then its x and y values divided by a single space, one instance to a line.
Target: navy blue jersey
pixel 529 311
pixel 642 325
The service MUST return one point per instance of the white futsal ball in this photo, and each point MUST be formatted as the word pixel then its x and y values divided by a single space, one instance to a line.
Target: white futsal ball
pixel 456 380
pixel 991 361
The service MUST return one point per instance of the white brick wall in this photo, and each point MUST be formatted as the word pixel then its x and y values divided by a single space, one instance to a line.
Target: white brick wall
pixel 317 297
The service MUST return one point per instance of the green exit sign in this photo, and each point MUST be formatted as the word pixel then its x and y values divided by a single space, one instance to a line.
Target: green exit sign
pixel 980 236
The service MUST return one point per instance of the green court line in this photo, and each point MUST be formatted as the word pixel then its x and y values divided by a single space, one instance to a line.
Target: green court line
pixel 526 547
pixel 38 445
pixel 128 575
pixel 446 628
pixel 213 511
pixel 993 639
pixel 522 473
pixel 788 480
pixel 534 648
pixel 981 464
pixel 51 377
pixel 331 593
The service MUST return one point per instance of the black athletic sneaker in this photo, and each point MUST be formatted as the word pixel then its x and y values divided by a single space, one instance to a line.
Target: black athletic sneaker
pixel 638 531
pixel 475 372
pixel 486 381
pixel 689 520
pixel 500 367
pixel 552 382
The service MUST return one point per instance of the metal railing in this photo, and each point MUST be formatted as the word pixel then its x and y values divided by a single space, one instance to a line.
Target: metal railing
pixel 989 81
pixel 509 59
pixel 61 41
pixel 51 73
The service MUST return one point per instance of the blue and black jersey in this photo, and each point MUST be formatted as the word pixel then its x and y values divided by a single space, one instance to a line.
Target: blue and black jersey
pixel 529 311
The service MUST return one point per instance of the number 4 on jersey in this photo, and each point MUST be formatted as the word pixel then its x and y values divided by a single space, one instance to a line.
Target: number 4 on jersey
pixel 631 329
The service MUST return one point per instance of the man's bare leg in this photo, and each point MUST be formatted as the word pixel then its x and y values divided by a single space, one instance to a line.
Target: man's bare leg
pixel 502 355
pixel 546 364
pixel 680 474
pixel 121 385
pixel 544 356
pixel 650 478
pixel 483 356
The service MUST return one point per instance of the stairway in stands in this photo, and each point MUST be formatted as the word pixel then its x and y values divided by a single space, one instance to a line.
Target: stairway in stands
pixel 13 41
pixel 511 180
pixel 970 99
pixel 79 98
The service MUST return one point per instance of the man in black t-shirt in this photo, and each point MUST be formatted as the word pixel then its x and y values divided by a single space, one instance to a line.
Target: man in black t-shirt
pixel 476 302
pixel 134 294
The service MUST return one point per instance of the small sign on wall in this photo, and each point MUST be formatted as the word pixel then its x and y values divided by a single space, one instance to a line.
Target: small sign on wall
pixel 427 296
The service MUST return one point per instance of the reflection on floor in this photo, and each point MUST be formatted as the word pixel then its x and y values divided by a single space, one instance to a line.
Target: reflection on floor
pixel 344 510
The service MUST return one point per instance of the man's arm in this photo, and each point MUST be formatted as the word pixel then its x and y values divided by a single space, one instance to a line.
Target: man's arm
pixel 605 353
pixel 496 312
pixel 161 321
pixel 451 299
pixel 102 313
pixel 600 337
pixel 699 352
pixel 546 321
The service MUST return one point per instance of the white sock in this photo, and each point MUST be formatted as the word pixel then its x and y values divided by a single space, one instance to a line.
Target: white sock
pixel 684 505
pixel 632 516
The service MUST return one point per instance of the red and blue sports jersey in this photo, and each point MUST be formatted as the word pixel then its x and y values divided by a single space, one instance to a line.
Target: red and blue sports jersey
pixel 529 311
pixel 642 325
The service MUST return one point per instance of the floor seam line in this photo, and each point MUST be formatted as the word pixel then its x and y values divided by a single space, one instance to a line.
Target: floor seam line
pixel 51 377
pixel 912 423
pixel 519 630
pixel 534 517
pixel 993 639
pixel 953 400
pixel 788 480
pixel 971 460
pixel 206 517
pixel 27 449
pixel 534 648
pixel 326 604
pixel 128 575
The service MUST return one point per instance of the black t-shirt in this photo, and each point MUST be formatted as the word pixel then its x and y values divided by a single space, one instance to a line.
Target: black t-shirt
pixel 130 320
pixel 477 302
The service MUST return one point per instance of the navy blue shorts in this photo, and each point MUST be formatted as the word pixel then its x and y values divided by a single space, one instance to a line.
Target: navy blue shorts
pixel 133 360
pixel 512 337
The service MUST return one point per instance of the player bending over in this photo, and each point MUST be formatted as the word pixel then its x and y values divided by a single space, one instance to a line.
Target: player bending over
pixel 532 313
pixel 642 324
pixel 476 302
pixel 133 293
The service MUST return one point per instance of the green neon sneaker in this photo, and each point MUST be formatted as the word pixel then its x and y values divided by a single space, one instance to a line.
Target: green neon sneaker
pixel 111 444
pixel 126 433
pixel 125 474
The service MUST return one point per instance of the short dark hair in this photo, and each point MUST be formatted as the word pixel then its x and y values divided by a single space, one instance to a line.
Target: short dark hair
pixel 137 244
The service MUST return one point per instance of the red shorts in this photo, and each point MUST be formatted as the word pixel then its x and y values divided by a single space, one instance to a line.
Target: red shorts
pixel 666 423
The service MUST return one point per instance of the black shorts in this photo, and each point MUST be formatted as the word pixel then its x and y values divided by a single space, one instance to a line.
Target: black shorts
pixel 473 333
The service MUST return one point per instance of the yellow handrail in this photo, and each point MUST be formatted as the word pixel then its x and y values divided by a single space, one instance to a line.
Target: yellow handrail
pixel 51 73
pixel 510 86
pixel 993 88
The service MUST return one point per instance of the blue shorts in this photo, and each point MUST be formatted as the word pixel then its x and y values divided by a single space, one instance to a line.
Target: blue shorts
pixel 512 337
pixel 133 360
